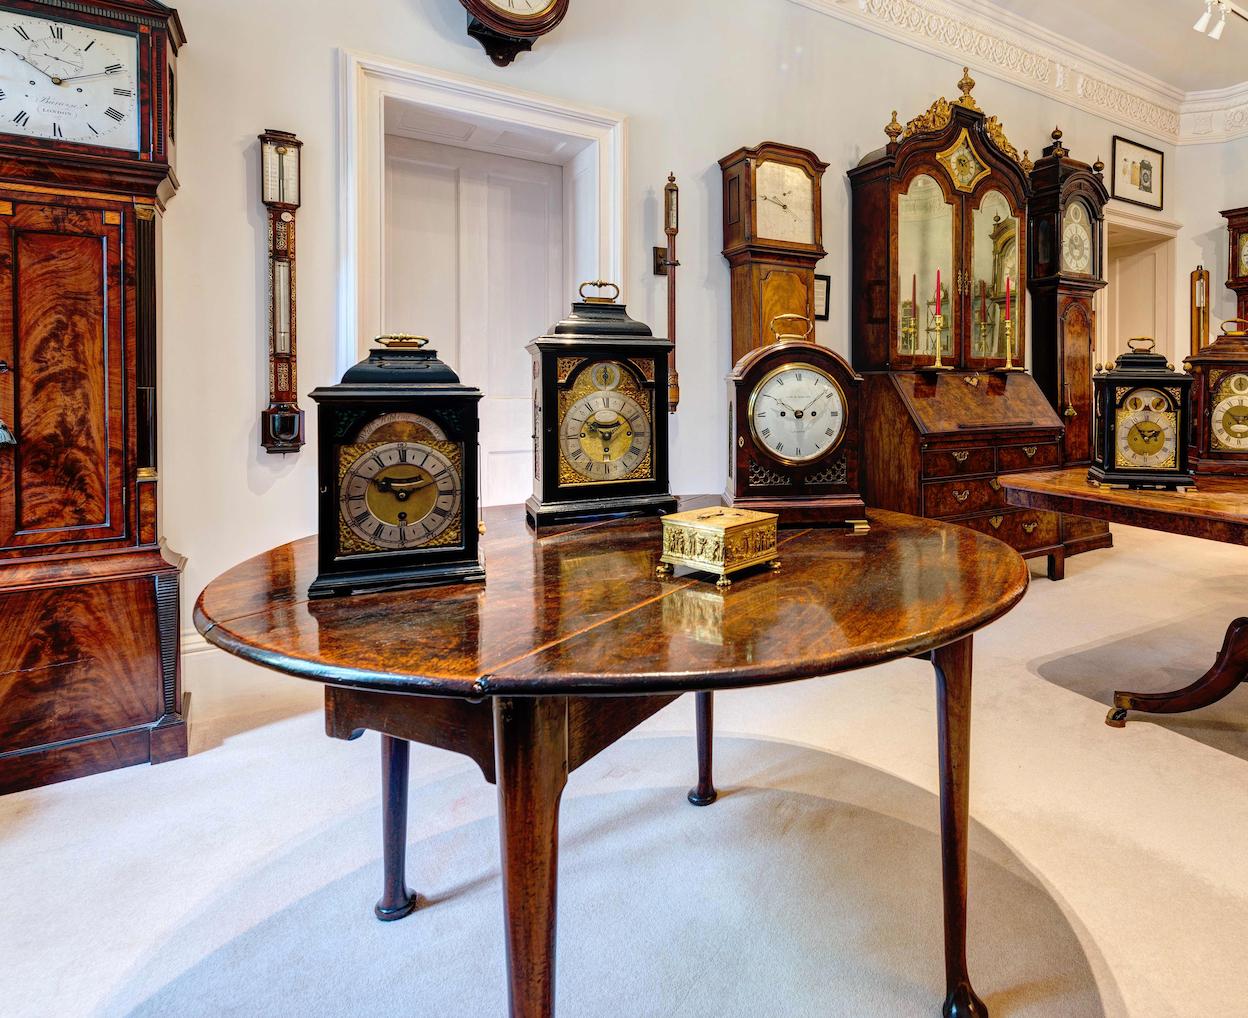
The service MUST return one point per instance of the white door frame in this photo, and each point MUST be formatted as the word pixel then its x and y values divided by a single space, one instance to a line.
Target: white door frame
pixel 365 82
pixel 1165 231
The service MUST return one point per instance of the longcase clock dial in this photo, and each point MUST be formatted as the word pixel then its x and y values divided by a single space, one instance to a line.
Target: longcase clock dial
pixel 786 203
pixel 66 82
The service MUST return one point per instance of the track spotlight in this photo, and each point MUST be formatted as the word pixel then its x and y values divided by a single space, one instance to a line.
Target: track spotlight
pixel 1202 23
pixel 1220 27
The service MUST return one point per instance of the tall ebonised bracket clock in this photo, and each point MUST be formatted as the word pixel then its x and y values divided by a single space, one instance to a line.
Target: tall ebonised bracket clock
pixel 600 420
pixel 89 661
pixel 399 466
pixel 1067 251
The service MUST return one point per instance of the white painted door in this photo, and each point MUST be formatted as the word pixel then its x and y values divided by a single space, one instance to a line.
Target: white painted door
pixel 474 259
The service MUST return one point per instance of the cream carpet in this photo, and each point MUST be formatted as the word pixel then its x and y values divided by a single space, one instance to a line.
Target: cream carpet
pixel 1107 873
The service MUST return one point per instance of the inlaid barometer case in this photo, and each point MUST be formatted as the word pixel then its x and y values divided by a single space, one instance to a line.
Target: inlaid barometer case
pixel 794 432
pixel 939 325
pixel 1220 404
pixel 89 659
pixel 399 502
pixel 1143 414
pixel 600 420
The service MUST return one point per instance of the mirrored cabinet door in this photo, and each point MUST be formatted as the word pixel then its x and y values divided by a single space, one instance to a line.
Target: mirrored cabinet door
pixel 926 252
pixel 994 300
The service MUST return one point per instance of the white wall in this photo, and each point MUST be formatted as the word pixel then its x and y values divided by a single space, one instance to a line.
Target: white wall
pixel 697 79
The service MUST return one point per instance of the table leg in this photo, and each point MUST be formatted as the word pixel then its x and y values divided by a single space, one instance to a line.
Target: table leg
pixel 396 900
pixel 1228 671
pixel 1057 565
pixel 704 794
pixel 531 760
pixel 953 682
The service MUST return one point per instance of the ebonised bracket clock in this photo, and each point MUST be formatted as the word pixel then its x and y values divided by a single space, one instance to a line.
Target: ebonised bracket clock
pixel 507 28
pixel 1143 414
pixel 794 434
pixel 600 420
pixel 281 424
pixel 399 501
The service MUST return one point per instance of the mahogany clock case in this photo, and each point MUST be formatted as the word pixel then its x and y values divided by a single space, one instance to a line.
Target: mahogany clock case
pixel 369 391
pixel 1237 260
pixel 825 490
pixel 1221 373
pixel 89 660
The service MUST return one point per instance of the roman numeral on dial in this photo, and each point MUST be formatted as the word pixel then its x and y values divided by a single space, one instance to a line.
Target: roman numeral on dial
pixel 115 114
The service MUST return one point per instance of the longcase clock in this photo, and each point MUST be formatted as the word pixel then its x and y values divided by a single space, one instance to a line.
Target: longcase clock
pixel 89 674
pixel 773 237
pixel 1237 260
pixel 1067 270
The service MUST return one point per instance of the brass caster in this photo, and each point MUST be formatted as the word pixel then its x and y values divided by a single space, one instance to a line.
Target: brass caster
pixel 1117 717
pixel 723 582
pixel 663 569
pixel 775 566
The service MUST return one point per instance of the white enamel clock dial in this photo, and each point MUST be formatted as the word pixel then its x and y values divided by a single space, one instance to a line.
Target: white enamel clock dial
pixel 1230 416
pixel 400 495
pixel 1076 240
pixel 522 8
pixel 1146 432
pixel 1243 255
pixel 797 413
pixel 785 203
pixel 68 82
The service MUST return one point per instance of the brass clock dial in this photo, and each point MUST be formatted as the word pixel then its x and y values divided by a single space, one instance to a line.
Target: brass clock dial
pixel 398 495
pixel 797 413
pixel 1146 432
pixel 1077 240
pixel 785 198
pixel 605 432
pixel 1229 419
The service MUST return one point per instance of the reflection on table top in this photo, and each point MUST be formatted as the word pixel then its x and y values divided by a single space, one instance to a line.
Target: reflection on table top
pixel 581 611
pixel 1217 510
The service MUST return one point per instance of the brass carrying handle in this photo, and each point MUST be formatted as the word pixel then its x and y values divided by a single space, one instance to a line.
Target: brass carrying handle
pixel 1235 332
pixel 962 496
pixel 1152 344
pixel 401 341
pixel 599 284
pixel 780 336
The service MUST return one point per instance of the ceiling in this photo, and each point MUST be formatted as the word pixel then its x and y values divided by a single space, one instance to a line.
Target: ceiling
pixel 1152 36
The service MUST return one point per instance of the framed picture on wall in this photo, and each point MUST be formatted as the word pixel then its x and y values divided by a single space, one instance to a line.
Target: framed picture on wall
pixel 1139 174
pixel 823 298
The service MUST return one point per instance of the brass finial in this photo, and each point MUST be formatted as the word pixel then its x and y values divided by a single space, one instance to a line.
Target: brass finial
pixel 1057 134
pixel 893 128
pixel 967 84
pixel 1098 166
pixel 1026 162
pixel 671 177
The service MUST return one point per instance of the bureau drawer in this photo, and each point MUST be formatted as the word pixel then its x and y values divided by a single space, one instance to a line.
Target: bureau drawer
pixel 953 462
pixel 1022 530
pixel 1028 457
pixel 957 498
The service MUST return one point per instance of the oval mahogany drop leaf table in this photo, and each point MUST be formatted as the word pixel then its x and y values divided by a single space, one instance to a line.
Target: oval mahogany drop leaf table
pixel 573 642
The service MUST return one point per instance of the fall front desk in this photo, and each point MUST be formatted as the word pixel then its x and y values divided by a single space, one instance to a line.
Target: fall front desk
pixel 574 641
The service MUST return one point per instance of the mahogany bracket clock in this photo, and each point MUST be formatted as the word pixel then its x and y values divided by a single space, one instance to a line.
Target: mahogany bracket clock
pixel 89 596
pixel 600 420
pixel 281 423
pixel 1220 404
pixel 773 237
pixel 794 433
pixel 399 504
pixel 1237 259
pixel 507 28
pixel 1143 410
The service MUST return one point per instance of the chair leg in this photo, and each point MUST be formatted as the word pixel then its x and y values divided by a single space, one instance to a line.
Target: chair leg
pixel 704 793
pixel 396 900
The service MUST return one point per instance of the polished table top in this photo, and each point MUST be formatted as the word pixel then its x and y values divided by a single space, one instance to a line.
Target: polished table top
pixel 1217 510
pixel 581 612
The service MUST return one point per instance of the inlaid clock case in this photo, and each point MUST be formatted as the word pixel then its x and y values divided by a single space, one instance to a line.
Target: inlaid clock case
pixel 817 485
pixel 90 674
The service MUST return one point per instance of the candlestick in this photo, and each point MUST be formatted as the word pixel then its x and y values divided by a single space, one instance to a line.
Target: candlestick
pixel 983 301
pixel 1009 348
pixel 938 326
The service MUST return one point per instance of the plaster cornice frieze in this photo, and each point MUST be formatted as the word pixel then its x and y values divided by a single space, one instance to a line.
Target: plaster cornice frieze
pixel 1001 43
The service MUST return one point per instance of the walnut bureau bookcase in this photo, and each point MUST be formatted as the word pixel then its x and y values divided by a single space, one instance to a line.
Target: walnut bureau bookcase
pixel 89 675
pixel 938 326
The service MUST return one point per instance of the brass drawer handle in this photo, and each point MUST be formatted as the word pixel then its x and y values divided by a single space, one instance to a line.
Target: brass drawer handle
pixel 961 457
pixel 995 484
pixel 1029 451
pixel 996 521
pixel 1030 528
pixel 962 496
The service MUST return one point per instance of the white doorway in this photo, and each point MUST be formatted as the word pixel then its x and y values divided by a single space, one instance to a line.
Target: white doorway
pixel 1140 267
pixel 475 259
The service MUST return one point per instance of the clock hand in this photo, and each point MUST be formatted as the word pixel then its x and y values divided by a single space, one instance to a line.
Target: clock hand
pixel 781 402
pixel 401 487
pixel 775 201
pixel 31 63
pixel 84 77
